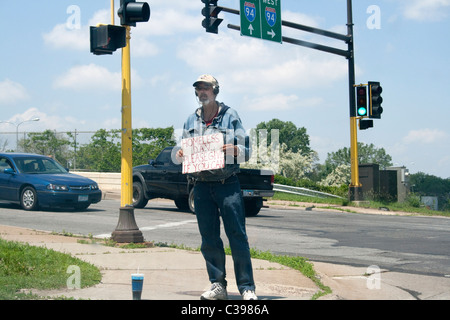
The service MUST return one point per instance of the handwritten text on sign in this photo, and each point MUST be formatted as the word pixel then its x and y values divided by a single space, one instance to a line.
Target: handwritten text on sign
pixel 203 153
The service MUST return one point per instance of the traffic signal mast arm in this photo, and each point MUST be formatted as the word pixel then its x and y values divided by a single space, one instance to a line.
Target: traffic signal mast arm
pixel 297 26
pixel 370 107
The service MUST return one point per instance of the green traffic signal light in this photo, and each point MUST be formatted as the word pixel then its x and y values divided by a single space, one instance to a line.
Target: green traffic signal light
pixel 361 101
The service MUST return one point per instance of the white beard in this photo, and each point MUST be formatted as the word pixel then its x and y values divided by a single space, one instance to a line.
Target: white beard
pixel 203 101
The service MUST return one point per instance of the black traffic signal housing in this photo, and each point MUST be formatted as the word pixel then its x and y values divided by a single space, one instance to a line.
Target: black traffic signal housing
pixel 105 39
pixel 131 12
pixel 211 12
pixel 375 100
pixel 361 101
pixel 365 124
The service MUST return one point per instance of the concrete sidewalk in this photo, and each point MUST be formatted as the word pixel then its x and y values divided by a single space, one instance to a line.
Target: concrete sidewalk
pixel 173 274
pixel 170 274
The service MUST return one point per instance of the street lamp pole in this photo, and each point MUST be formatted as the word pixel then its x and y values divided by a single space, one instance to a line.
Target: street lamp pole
pixel 17 129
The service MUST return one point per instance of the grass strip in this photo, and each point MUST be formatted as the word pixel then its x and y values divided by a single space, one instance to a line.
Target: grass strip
pixel 23 266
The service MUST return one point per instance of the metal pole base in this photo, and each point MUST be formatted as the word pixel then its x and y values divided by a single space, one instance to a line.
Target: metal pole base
pixel 127 230
pixel 355 193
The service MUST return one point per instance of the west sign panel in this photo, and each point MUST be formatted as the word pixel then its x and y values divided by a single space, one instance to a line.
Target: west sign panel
pixel 261 19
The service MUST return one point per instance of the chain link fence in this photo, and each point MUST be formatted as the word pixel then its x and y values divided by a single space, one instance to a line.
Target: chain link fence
pixel 63 146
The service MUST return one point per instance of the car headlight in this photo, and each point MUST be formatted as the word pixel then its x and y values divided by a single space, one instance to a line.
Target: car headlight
pixel 94 186
pixel 57 187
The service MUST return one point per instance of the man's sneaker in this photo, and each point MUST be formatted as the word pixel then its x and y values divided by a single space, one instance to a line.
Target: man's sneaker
pixel 249 295
pixel 217 292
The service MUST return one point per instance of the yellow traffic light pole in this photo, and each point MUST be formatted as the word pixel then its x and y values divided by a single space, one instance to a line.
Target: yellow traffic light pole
pixel 112 12
pixel 105 39
pixel 354 179
pixel 126 198
pixel 127 229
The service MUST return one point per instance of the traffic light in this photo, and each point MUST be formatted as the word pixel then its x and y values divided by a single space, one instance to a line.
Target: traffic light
pixel 105 39
pixel 211 12
pixel 361 101
pixel 365 124
pixel 375 100
pixel 131 12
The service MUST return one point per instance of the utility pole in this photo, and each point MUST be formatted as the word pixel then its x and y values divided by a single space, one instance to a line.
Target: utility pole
pixel 251 9
pixel 105 39
pixel 127 229
pixel 355 188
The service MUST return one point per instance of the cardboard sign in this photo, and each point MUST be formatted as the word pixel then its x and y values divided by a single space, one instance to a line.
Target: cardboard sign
pixel 203 153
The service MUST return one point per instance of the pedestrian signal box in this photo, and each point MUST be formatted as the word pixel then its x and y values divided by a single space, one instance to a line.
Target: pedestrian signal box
pixel 105 39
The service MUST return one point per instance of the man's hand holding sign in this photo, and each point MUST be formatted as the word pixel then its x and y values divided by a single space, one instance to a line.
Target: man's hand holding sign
pixel 204 153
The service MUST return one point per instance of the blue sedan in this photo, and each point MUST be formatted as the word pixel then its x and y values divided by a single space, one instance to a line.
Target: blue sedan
pixel 36 181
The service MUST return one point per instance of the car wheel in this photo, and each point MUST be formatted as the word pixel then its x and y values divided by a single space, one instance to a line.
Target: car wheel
pixel 182 203
pixel 139 199
pixel 28 199
pixel 252 207
pixel 191 201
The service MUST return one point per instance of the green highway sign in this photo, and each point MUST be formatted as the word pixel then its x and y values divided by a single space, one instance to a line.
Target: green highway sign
pixel 250 18
pixel 271 20
pixel 261 19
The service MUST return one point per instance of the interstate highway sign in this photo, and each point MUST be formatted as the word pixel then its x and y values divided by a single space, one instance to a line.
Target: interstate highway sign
pixel 261 19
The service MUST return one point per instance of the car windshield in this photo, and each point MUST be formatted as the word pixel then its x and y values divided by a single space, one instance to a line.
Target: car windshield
pixel 39 165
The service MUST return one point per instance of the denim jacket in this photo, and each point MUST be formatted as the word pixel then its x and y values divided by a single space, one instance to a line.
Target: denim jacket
pixel 229 124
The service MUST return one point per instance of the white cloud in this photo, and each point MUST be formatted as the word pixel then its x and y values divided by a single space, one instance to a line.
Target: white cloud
pixel 274 102
pixel 77 38
pixel 278 102
pixel 94 77
pixel 427 10
pixel 62 37
pixel 425 136
pixel 11 92
pixel 31 113
pixel 89 77
pixel 46 121
pixel 257 67
pixel 168 21
pixel 141 47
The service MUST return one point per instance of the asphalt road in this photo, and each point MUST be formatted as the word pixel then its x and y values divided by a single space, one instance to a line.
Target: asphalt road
pixel 418 245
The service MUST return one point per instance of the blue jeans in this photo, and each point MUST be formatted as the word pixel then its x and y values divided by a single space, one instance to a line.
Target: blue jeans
pixel 214 199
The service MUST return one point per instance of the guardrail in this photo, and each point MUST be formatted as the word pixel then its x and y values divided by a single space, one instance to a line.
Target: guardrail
pixel 304 191
pixel 110 182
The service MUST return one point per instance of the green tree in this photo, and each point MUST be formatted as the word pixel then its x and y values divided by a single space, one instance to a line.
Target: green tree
pixel 337 165
pixel 296 139
pixel 338 177
pixel 366 154
pixel 429 185
pixel 103 153
pixel 149 142
pixel 47 143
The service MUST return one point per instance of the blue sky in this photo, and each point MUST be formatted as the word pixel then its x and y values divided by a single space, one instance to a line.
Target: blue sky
pixel 48 72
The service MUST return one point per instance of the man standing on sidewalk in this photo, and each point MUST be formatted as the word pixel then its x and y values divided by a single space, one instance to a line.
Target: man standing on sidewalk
pixel 218 193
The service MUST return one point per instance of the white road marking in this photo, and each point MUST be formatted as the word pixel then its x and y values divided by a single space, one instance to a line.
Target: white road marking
pixel 159 226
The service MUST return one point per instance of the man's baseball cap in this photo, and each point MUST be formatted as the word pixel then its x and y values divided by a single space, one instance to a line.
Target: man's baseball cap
pixel 206 78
